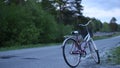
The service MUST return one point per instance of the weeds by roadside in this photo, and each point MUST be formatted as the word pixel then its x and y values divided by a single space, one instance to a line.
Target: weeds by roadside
pixel 106 36
pixel 27 46
pixel 114 56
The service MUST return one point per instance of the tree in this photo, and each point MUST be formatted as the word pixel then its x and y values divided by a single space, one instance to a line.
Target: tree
pixel 113 20
pixel 79 7
pixel 26 24
pixel 67 10
pixel 18 2
pixel 47 6
pixel 113 25
pixel 105 27
pixel 119 27
pixel 96 25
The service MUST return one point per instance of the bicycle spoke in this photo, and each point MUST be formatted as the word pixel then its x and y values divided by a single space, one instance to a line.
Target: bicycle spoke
pixel 94 53
pixel 71 53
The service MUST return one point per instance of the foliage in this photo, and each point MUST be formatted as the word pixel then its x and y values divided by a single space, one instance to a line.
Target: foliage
pixel 62 31
pixel 64 13
pixel 116 55
pixel 119 27
pixel 113 27
pixel 48 6
pixel 113 20
pixel 96 25
pixel 113 24
pixel 110 27
pixel 105 27
pixel 16 25
pixel 28 23
pixel 48 28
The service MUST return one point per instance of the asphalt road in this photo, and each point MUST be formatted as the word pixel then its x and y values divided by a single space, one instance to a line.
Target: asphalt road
pixel 51 57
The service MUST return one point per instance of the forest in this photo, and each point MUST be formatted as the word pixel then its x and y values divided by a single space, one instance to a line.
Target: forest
pixel 25 22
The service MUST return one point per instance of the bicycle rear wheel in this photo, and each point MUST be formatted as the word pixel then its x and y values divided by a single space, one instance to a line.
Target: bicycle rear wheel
pixel 71 52
pixel 94 52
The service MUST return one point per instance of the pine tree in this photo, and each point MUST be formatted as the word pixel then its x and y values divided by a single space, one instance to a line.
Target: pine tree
pixel 113 24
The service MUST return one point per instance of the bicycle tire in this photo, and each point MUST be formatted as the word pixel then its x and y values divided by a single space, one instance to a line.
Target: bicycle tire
pixel 72 60
pixel 94 52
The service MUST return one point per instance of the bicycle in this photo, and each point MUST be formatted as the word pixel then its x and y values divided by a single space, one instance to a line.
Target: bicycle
pixel 74 47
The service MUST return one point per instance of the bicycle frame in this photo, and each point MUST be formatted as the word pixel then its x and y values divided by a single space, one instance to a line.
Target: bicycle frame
pixel 88 39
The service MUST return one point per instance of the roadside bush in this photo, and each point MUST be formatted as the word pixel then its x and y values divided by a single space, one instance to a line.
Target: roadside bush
pixel 47 28
pixel 28 24
pixel 62 31
pixel 16 26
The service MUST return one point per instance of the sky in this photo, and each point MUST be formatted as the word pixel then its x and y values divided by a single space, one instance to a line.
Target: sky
pixel 103 10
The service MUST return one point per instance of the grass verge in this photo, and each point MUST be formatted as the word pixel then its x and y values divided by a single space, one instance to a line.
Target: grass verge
pixel 15 47
pixel 106 36
pixel 114 56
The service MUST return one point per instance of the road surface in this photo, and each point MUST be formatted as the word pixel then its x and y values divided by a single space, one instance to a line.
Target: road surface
pixel 51 57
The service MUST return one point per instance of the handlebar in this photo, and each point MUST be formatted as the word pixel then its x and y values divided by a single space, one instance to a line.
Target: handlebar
pixel 86 23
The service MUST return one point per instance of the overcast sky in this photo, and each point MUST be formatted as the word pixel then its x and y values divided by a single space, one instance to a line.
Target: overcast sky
pixel 103 10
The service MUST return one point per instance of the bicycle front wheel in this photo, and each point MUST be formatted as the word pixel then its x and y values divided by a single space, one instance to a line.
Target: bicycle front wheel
pixel 94 52
pixel 71 52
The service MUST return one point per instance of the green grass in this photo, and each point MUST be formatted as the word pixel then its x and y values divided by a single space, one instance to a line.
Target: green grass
pixel 116 55
pixel 113 56
pixel 15 47
pixel 104 37
pixel 101 37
